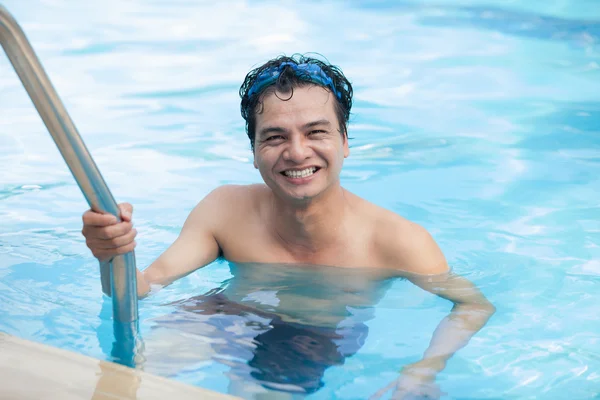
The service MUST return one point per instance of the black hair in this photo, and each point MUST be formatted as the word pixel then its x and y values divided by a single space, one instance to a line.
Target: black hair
pixel 286 82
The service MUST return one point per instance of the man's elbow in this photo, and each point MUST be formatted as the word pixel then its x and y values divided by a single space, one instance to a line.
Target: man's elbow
pixel 489 308
pixel 477 310
pixel 486 309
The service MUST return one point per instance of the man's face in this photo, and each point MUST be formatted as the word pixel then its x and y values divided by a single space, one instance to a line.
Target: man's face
pixel 299 149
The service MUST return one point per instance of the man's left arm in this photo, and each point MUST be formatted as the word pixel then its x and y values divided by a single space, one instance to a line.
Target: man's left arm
pixel 423 263
pixel 470 313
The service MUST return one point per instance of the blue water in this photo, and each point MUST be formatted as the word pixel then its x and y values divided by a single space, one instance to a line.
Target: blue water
pixel 478 119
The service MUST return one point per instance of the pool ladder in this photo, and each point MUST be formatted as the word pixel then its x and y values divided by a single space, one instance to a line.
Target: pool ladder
pixel 123 285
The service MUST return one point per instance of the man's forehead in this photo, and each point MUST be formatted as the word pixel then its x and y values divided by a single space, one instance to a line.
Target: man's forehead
pixel 312 102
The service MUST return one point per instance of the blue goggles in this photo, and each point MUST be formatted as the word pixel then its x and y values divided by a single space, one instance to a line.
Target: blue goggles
pixel 308 72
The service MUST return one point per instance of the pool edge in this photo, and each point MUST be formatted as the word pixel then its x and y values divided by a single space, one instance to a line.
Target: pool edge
pixel 32 370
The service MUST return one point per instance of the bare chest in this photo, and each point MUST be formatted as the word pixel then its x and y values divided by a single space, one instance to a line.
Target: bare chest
pixel 253 243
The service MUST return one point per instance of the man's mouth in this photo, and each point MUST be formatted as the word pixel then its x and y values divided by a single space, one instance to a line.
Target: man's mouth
pixel 303 173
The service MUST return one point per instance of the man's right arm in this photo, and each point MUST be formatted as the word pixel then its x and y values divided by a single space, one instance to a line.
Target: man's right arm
pixel 195 247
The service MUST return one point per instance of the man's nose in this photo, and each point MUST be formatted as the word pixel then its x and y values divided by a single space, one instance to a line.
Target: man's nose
pixel 297 149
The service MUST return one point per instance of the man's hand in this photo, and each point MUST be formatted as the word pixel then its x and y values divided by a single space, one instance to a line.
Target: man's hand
pixel 416 382
pixel 409 387
pixel 105 236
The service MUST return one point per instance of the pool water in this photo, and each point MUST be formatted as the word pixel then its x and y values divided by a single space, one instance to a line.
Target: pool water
pixel 478 119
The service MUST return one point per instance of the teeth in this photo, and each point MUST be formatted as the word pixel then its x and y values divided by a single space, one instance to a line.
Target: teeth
pixel 301 174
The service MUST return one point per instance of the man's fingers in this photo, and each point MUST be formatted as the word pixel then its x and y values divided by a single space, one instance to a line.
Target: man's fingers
pixel 107 232
pixel 92 218
pixel 382 391
pixel 111 244
pixel 126 210
pixel 110 254
pixel 432 392
pixel 108 236
pixel 427 391
pixel 115 231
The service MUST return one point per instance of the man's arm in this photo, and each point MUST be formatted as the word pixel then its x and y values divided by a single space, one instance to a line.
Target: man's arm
pixel 428 269
pixel 422 262
pixel 470 313
pixel 195 247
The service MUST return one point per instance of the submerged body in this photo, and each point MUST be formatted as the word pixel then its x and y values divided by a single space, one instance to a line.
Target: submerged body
pixel 279 326
pixel 308 294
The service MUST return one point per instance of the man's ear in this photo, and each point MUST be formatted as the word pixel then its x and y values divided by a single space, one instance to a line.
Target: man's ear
pixel 255 164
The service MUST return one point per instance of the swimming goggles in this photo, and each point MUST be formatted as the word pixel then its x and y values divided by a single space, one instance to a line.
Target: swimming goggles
pixel 308 72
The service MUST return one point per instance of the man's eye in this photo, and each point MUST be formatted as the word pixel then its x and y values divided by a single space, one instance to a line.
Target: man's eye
pixel 316 132
pixel 274 137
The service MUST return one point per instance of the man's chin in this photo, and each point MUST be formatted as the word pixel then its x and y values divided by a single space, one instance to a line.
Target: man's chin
pixel 297 193
pixel 299 196
pixel 302 197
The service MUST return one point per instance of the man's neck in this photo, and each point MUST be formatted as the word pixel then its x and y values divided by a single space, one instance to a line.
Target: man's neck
pixel 308 227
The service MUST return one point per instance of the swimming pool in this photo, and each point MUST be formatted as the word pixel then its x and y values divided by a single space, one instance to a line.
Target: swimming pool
pixel 479 121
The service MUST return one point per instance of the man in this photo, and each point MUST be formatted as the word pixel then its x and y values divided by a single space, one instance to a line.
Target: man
pixel 296 111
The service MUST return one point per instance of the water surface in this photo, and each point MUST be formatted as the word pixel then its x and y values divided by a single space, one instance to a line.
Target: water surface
pixel 478 120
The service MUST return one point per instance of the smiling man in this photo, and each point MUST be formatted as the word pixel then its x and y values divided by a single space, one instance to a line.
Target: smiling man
pixel 296 111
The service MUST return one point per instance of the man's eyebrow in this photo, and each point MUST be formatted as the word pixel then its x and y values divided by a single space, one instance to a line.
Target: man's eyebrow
pixel 316 123
pixel 271 129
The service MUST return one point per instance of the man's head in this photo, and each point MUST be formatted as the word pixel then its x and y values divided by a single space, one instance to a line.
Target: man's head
pixel 282 75
pixel 296 112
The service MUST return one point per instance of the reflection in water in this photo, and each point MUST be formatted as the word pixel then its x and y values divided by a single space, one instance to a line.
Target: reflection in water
pixel 123 385
pixel 128 344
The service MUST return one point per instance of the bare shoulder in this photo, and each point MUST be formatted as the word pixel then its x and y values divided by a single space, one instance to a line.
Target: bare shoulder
pixel 404 245
pixel 226 202
pixel 240 194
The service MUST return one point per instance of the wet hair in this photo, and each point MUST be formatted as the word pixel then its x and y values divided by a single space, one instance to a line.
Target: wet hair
pixel 288 79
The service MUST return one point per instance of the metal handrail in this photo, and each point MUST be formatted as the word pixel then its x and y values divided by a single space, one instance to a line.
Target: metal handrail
pixel 123 284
